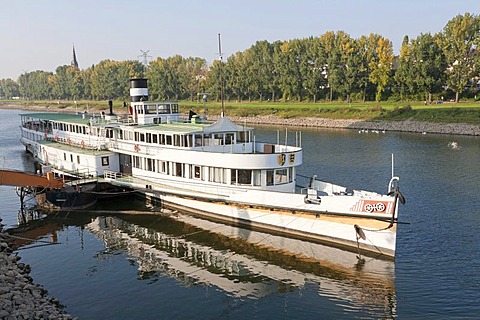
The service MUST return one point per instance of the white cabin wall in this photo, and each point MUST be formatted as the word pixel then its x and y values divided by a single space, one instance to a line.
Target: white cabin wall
pixel 91 164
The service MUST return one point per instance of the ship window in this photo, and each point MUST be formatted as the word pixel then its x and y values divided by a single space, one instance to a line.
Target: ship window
pixel 149 138
pixel 187 141
pixel 217 175
pixel 150 164
pixel 281 176
pixel 71 157
pixel 78 159
pixel 174 108
pixel 218 139
pixel 169 140
pixel 142 137
pixel 155 138
pixel 163 108
pixel 242 137
pixel 178 169
pixel 198 141
pixel 65 156
pixel 229 138
pixel 206 140
pixel 257 177
pixel 163 167
pixel 269 177
pixel 245 177
pixel 176 140
pixel 197 172
pixel 167 167
pixel 104 161
pixel 162 139
pixel 136 162
pixel 150 109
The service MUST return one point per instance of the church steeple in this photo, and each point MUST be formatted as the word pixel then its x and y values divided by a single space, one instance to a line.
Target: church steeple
pixel 74 60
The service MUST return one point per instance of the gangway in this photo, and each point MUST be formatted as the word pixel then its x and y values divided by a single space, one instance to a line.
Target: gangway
pixel 29 184
pixel 22 179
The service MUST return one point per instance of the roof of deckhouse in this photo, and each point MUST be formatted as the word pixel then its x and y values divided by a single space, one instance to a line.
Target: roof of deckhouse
pixel 60 117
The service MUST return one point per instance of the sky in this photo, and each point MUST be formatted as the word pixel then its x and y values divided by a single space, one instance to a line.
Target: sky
pixel 40 34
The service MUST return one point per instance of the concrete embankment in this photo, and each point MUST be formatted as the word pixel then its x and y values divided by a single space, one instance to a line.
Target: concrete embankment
pixel 20 298
pixel 402 126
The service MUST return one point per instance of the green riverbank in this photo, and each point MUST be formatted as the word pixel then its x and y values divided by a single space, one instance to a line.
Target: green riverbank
pixel 443 118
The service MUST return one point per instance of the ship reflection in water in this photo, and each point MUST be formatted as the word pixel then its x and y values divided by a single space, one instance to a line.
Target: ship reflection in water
pixel 245 263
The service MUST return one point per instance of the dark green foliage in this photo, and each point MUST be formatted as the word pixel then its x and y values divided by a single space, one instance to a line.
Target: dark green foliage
pixel 332 66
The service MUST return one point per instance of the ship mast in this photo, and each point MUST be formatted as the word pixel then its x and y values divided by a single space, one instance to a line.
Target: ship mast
pixel 221 74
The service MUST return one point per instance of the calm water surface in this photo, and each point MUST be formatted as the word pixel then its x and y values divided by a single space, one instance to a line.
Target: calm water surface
pixel 151 267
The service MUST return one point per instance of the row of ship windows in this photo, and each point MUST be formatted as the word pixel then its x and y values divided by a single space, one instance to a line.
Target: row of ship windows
pixel 189 140
pixel 215 174
pixel 156 108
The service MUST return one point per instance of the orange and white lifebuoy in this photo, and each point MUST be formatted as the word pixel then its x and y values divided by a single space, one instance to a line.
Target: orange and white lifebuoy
pixel 137 148
pixel 82 144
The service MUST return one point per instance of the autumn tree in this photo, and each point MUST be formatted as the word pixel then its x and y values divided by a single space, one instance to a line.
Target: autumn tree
pixel 459 41
pixel 380 62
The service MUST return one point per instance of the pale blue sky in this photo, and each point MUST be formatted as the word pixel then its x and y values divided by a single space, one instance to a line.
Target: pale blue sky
pixel 38 34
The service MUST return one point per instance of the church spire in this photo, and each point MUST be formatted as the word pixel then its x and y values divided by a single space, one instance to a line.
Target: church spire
pixel 74 60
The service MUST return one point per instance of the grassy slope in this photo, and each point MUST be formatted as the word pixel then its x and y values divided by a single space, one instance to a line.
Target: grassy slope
pixel 463 112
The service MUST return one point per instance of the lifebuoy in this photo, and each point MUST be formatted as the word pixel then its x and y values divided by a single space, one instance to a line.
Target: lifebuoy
pixel 137 148
pixel 68 140
pixel 82 144
pixel 56 138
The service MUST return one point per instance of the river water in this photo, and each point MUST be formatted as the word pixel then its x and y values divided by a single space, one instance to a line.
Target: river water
pixel 109 266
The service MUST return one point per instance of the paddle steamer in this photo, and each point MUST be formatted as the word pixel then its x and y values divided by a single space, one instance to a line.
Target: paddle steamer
pixel 217 170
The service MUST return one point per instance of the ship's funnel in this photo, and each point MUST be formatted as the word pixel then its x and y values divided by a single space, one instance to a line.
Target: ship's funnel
pixel 138 90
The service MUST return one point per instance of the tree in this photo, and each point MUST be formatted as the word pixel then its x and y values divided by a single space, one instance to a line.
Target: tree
pixel 262 69
pixel 380 62
pixel 427 64
pixel 39 87
pixel 292 61
pixel 196 69
pixel 315 77
pixel 9 89
pixel 403 74
pixel 459 41
pixel 327 41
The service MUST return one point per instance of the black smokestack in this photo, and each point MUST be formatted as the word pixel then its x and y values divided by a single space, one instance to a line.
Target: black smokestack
pixel 138 90
pixel 110 105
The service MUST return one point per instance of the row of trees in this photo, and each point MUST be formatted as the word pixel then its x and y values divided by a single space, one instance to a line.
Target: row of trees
pixel 331 66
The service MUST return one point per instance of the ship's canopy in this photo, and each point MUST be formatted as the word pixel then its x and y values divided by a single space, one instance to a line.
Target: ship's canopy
pixel 224 125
